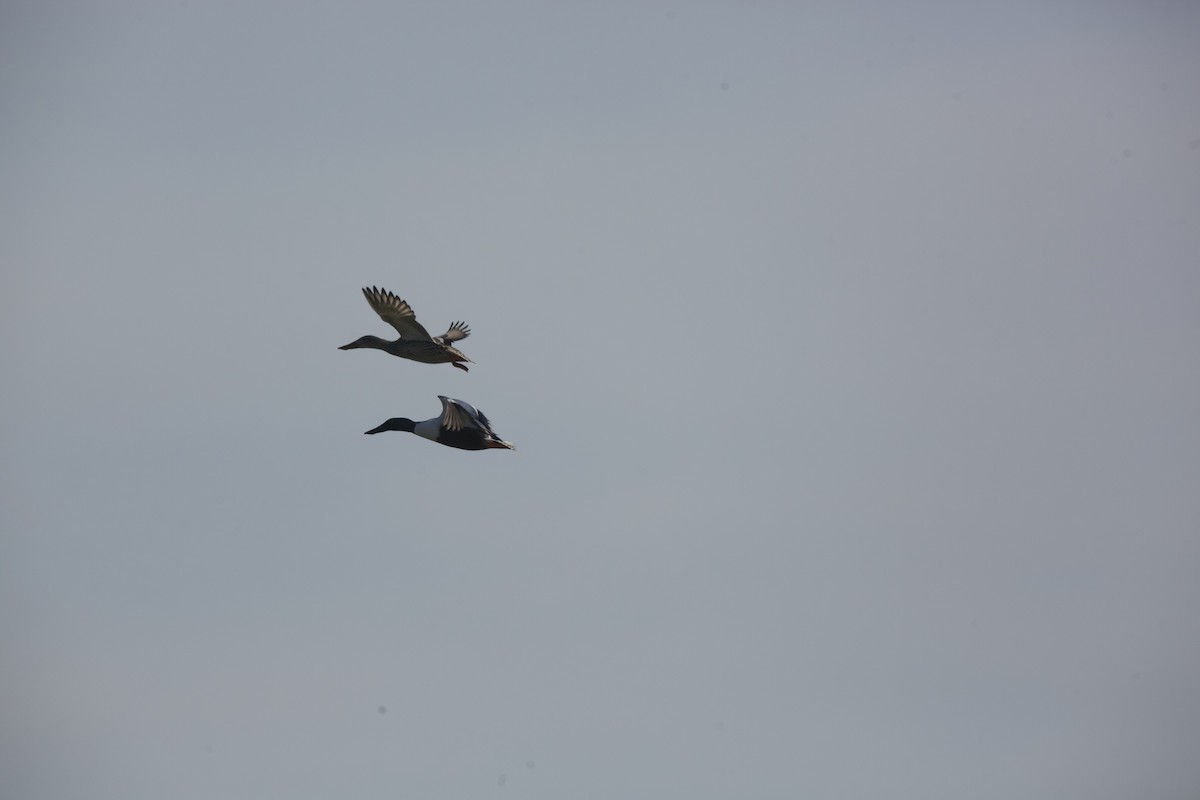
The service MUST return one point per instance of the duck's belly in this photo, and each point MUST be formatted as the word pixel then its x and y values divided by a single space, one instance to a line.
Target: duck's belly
pixel 431 354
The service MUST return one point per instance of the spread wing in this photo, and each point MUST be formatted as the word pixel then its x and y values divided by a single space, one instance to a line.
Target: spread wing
pixel 397 313
pixel 456 331
pixel 460 416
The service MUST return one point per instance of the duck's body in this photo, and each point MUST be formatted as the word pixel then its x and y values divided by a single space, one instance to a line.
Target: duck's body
pixel 414 343
pixel 427 352
pixel 460 425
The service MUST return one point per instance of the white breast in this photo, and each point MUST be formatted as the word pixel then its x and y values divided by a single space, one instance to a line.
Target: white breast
pixel 428 428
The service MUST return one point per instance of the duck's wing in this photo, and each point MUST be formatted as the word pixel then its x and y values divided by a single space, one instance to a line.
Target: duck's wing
pixel 458 415
pixel 456 331
pixel 397 313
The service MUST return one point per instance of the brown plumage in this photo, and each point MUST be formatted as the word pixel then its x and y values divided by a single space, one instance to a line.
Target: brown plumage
pixel 414 343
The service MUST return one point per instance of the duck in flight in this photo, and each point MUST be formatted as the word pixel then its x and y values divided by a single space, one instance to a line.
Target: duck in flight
pixel 414 343
pixel 460 425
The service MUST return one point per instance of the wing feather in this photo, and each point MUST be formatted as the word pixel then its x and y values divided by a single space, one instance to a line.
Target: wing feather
pixel 456 415
pixel 459 415
pixel 397 313
pixel 456 331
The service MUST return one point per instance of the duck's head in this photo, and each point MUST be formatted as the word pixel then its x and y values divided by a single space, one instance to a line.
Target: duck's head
pixel 395 424
pixel 365 341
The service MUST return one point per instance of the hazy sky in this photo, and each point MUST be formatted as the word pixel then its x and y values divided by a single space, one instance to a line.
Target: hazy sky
pixel 851 351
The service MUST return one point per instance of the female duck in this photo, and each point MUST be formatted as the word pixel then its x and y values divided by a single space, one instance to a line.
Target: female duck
pixel 461 425
pixel 414 343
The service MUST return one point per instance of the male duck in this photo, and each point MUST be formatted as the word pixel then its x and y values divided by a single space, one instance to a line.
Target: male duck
pixel 414 343
pixel 461 425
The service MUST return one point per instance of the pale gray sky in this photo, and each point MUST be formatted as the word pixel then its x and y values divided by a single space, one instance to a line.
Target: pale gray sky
pixel 851 353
